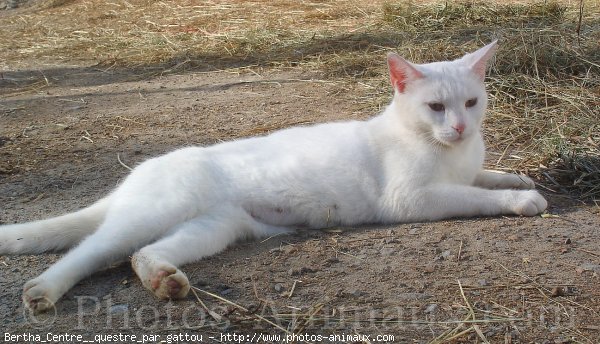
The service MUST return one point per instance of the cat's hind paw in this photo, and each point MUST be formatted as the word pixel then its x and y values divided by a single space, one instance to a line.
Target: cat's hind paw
pixel 160 277
pixel 169 284
pixel 529 203
pixel 39 295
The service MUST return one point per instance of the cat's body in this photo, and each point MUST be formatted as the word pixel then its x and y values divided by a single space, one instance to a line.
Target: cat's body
pixel 420 160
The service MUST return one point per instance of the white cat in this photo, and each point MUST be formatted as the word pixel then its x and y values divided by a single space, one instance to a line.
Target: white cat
pixel 419 160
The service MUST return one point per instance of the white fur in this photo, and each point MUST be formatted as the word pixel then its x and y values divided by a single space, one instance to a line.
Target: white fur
pixel 407 164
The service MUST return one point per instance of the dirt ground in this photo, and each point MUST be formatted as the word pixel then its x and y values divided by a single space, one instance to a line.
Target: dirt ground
pixel 505 279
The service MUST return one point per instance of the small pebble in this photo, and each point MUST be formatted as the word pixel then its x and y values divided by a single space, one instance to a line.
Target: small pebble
pixel 513 237
pixel 302 270
pixel 355 293
pixel 431 308
pixel 278 287
pixel 387 251
pixel 446 254
pixel 390 241
pixel 289 249
pixel 557 291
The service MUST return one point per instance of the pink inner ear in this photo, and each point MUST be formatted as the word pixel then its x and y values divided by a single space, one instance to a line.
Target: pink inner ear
pixel 398 80
pixel 479 69
pixel 401 72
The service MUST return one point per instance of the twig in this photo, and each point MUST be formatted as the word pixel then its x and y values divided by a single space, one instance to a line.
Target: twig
pixel 347 254
pixel 316 309
pixel 543 290
pixel 456 335
pixel 410 322
pixel 578 29
pixel 462 292
pixel 122 163
pixel 274 235
pixel 293 288
pixel 241 308
pixel 214 315
pixel 587 251
pixel 471 313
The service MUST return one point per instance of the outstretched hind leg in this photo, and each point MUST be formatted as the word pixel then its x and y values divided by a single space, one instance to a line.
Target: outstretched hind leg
pixel 96 251
pixel 122 233
pixel 156 264
pixel 52 234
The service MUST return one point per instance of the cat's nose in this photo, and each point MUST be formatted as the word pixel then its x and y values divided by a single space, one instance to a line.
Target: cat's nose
pixel 459 128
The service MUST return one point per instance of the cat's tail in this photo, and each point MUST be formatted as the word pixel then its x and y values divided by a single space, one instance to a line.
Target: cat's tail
pixel 56 233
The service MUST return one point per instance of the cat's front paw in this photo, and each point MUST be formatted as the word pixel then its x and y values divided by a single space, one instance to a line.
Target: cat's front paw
pixel 513 181
pixel 500 180
pixel 40 295
pixel 529 203
pixel 519 181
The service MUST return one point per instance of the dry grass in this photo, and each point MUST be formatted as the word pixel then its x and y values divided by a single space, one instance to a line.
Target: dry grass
pixel 471 328
pixel 317 316
pixel 544 83
pixel 545 75
pixel 140 33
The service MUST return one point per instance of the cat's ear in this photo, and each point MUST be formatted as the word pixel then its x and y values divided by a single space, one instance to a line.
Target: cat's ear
pixel 478 60
pixel 402 72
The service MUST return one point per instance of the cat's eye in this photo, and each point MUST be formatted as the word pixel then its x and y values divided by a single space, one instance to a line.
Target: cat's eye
pixel 438 107
pixel 471 102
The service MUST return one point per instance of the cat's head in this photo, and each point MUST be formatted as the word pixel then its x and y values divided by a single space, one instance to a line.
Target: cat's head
pixel 444 101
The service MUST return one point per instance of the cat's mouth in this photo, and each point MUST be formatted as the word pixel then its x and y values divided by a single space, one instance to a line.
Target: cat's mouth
pixel 449 140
